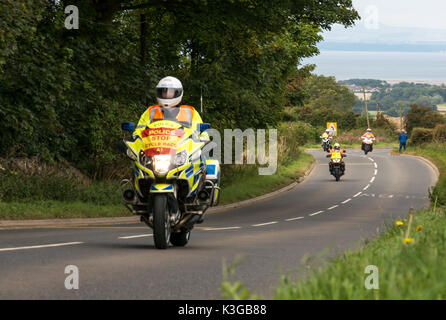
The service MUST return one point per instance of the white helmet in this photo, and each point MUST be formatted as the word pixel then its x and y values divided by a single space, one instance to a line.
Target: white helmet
pixel 369 130
pixel 169 92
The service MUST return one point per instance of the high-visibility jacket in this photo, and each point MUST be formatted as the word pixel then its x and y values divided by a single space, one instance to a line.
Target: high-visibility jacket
pixel 336 154
pixel 325 135
pixel 186 115
pixel 368 135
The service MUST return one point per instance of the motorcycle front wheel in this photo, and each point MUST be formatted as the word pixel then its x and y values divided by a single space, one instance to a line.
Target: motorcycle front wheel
pixel 161 223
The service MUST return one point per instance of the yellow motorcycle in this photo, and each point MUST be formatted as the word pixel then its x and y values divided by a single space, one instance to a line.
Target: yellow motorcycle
pixel 173 184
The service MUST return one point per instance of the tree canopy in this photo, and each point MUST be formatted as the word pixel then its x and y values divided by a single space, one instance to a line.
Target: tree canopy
pixel 64 93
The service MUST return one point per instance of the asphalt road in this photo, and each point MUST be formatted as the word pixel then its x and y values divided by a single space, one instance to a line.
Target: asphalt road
pixel 120 262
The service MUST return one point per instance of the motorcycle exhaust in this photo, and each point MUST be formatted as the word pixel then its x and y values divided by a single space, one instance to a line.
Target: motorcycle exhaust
pixel 129 196
pixel 203 195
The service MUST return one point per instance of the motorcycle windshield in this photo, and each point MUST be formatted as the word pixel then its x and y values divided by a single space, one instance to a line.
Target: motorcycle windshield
pixel 163 137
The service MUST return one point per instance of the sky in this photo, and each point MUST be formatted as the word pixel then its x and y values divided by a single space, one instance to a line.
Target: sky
pixel 402 21
pixel 405 13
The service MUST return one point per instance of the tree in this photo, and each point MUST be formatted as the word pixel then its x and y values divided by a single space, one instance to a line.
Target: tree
pixel 422 117
pixel 325 92
pixel 63 93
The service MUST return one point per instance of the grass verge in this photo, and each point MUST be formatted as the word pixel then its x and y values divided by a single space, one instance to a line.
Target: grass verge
pixel 250 184
pixel 410 258
pixel 71 200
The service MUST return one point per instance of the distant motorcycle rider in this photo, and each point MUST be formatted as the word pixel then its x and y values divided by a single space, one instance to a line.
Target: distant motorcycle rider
pixel 367 135
pixel 326 135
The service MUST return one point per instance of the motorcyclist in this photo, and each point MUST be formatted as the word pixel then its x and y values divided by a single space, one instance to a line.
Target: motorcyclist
pixel 169 93
pixel 326 135
pixel 367 135
pixel 336 149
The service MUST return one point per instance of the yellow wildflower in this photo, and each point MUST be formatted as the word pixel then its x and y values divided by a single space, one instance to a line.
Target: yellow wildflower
pixel 399 223
pixel 408 240
pixel 419 228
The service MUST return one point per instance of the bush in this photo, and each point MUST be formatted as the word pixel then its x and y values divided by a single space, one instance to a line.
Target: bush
pixel 421 136
pixel 293 135
pixel 422 117
pixel 439 134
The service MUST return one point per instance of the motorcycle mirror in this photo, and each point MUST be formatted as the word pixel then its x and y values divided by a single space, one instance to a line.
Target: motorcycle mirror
pixel 328 156
pixel 128 126
pixel 203 126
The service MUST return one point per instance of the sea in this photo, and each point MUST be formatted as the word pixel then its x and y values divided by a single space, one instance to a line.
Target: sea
pixel 429 67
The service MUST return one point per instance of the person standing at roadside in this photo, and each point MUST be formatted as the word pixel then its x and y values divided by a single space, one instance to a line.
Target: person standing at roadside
pixel 403 140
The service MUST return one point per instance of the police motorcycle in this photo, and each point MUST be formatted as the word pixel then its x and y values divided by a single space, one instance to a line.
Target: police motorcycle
pixel 337 164
pixel 173 184
pixel 326 144
pixel 367 144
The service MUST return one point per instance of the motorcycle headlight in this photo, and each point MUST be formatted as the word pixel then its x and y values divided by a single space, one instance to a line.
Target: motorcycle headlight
pixel 336 160
pixel 161 163
pixel 180 158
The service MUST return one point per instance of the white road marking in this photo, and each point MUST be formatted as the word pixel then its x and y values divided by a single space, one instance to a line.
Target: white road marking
pixel 331 208
pixel 371 160
pixel 376 172
pixel 376 166
pixel 137 236
pixel 356 195
pixel 348 200
pixel 316 213
pixel 42 246
pixel 216 229
pixel 373 179
pixel 366 187
pixel 293 219
pixel 391 196
pixel 265 224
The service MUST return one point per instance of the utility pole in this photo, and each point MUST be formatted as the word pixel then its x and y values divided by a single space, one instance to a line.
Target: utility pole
pixel 401 116
pixel 377 105
pixel 366 111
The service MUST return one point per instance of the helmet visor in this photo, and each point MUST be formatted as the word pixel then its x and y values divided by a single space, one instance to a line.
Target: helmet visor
pixel 168 93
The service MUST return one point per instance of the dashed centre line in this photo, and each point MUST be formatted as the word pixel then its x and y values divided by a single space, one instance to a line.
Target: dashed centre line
pixel 136 236
pixel 216 229
pixel 265 224
pixel 316 213
pixel 346 201
pixel 42 246
pixel 293 219
pixel 368 186
pixel 373 179
pixel 357 195
pixel 331 208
